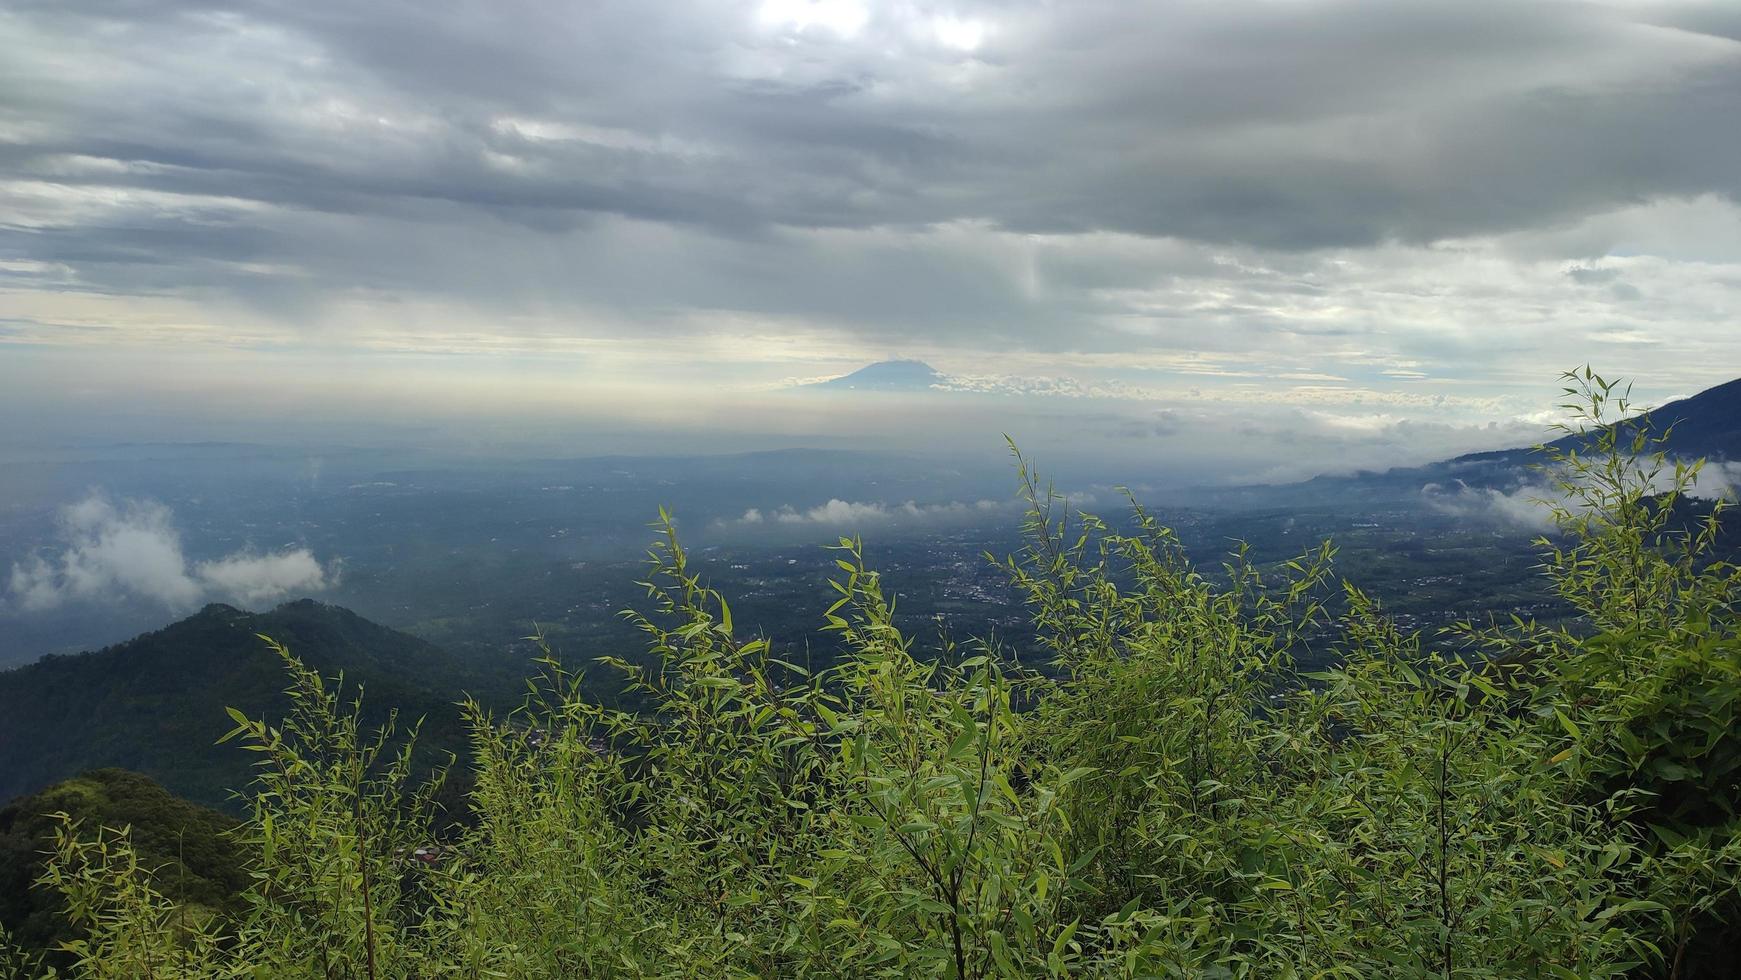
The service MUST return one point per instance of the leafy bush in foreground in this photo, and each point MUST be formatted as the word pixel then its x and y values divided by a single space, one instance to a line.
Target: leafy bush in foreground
pixel 188 847
pixel 1175 799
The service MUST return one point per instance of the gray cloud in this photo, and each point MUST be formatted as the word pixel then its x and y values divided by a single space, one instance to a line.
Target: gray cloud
pixel 1531 506
pixel 1444 200
pixel 1294 126
pixel 1591 275
pixel 132 550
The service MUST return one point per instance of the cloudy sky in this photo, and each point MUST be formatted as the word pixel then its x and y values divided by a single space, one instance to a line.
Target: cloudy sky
pixel 1371 216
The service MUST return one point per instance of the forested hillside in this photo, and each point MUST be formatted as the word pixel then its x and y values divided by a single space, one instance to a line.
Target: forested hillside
pixel 186 851
pixel 155 704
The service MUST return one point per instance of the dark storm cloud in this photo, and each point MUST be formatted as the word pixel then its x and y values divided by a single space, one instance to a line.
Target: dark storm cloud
pixel 875 172
pixel 1288 125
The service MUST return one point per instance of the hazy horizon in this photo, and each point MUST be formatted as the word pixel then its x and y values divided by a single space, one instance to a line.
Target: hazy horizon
pixel 1375 233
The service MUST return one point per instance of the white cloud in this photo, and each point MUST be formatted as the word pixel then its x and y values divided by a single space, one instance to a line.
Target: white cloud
pixel 132 550
pixel 255 579
pixel 957 33
pixel 1531 506
pixel 1719 480
pixel 1528 507
pixel 842 17
pixel 837 513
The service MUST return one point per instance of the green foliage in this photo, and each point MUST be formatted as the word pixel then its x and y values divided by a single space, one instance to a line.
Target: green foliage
pixel 1646 684
pixel 18 962
pixel 334 816
pixel 1172 797
pixel 186 848
pixel 128 928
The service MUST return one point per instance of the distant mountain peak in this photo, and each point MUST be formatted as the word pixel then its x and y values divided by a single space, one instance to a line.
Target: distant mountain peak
pixel 898 375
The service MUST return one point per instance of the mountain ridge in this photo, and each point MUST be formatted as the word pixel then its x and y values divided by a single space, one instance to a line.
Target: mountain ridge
pixel 155 704
pixel 1704 425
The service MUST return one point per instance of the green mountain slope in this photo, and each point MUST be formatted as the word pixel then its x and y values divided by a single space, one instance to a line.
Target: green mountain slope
pixel 186 847
pixel 155 704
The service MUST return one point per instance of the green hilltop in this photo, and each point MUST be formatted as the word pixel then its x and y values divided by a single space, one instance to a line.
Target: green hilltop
pixel 156 704
pixel 186 848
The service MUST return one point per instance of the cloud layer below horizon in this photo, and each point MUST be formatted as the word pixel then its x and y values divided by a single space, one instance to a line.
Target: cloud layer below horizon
pixel 113 552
